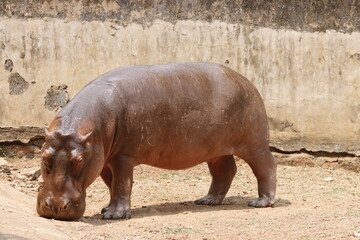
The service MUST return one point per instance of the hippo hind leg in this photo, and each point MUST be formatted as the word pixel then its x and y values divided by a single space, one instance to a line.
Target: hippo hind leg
pixel 263 166
pixel 223 170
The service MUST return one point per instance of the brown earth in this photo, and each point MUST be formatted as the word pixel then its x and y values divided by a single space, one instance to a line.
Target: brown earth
pixel 312 203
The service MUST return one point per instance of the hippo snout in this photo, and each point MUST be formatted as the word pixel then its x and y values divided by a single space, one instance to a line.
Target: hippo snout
pixel 61 208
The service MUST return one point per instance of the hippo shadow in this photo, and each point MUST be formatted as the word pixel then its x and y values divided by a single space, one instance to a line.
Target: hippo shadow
pixel 173 208
pixel 11 236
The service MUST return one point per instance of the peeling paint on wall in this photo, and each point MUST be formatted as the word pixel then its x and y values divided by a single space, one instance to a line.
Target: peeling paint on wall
pixel 8 65
pixel 17 84
pixel 281 126
pixel 56 97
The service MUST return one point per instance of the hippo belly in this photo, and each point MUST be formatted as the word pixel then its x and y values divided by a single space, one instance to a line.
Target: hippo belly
pixel 180 144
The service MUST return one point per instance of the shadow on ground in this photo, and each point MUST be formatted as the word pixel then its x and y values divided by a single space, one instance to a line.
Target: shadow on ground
pixel 11 236
pixel 229 203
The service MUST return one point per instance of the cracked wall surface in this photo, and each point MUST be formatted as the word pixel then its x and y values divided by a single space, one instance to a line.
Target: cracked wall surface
pixel 56 97
pixel 302 56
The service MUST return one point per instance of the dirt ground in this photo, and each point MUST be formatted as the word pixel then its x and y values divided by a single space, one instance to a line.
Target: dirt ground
pixel 312 203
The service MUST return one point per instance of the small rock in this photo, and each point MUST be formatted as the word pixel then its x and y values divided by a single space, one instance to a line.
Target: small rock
pixel 300 160
pixel 5 169
pixel 36 175
pixel 328 179
pixel 29 172
pixel 3 162
pixel 20 176
pixel 40 179
pixel 357 233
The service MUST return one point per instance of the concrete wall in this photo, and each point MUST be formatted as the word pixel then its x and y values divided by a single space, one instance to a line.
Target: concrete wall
pixel 304 57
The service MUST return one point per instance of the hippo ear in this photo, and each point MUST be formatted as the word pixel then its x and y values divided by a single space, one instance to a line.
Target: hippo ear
pixel 48 134
pixel 84 138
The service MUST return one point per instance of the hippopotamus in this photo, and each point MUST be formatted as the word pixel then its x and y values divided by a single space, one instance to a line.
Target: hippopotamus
pixel 169 116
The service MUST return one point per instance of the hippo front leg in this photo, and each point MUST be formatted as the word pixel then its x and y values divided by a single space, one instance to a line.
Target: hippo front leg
pixel 106 176
pixel 122 178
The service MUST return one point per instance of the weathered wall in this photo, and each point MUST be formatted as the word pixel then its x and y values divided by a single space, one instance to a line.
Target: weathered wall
pixel 304 57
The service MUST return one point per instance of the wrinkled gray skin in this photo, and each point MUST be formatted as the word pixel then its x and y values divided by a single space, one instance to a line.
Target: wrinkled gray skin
pixel 172 116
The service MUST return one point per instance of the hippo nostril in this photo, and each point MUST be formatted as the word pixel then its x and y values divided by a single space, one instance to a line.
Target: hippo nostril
pixel 66 205
pixel 47 203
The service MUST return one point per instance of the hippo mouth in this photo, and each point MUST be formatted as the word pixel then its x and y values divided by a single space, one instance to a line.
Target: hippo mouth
pixel 68 211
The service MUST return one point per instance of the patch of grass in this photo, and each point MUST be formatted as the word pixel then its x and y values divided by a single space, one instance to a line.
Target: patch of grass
pixel 305 237
pixel 141 177
pixel 180 230
pixel 169 175
pixel 336 190
pixel 144 234
pixel 162 196
pixel 353 212
pixel 339 190
pixel 188 177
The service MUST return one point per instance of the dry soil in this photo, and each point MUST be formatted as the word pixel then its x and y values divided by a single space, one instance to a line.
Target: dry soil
pixel 312 203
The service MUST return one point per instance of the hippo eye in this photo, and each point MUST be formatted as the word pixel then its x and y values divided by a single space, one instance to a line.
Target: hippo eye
pixel 78 160
pixel 47 167
pixel 47 155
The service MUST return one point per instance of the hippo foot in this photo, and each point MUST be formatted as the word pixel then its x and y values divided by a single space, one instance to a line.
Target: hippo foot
pixel 115 213
pixel 261 202
pixel 210 200
pixel 105 209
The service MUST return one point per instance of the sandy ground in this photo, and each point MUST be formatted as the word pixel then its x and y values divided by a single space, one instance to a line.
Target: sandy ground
pixel 312 203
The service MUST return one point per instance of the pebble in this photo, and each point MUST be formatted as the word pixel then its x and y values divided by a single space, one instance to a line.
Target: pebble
pixel 36 175
pixel 20 177
pixel 357 233
pixel 5 169
pixel 328 179
pixel 3 162
pixel 31 172
pixel 40 179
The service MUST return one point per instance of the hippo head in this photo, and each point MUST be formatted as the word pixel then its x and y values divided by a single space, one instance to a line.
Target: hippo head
pixel 70 163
